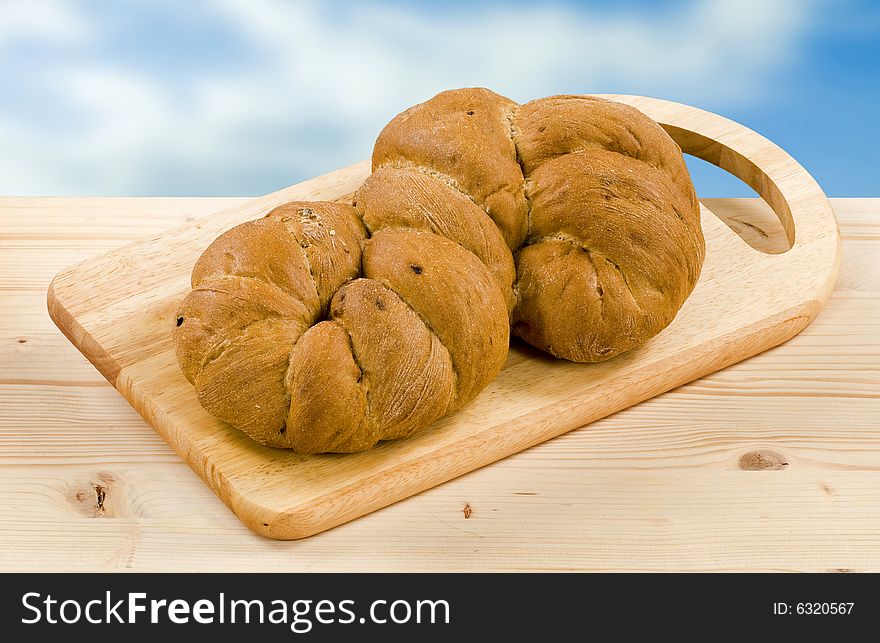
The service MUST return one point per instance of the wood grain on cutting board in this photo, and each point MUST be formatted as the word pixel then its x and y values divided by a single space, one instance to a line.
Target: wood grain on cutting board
pixel 118 309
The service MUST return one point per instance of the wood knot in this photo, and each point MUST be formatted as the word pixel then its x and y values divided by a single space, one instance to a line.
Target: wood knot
pixel 467 511
pixel 765 460
pixel 92 498
pixel 100 495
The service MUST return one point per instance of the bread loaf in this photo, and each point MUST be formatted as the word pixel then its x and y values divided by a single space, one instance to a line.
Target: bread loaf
pixel 570 221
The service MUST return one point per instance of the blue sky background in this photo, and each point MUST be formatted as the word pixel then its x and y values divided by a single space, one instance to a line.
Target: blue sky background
pixel 224 97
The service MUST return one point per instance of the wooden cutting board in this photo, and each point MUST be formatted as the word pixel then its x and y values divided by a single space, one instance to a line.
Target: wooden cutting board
pixel 118 309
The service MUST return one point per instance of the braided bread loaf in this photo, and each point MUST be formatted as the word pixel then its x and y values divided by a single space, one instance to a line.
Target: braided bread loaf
pixel 327 327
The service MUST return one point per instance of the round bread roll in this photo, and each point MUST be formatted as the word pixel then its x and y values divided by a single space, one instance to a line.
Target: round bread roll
pixel 325 327
pixel 614 244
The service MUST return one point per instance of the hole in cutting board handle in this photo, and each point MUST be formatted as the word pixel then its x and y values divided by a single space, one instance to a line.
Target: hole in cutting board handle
pixel 731 161
pixel 739 207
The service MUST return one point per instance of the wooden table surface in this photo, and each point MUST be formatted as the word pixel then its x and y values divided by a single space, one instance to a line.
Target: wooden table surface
pixel 772 464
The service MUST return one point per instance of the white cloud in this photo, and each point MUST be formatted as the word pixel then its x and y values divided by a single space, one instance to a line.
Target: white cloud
pixel 324 83
pixel 53 21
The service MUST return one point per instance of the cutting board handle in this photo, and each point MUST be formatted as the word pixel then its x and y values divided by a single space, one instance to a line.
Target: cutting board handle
pixel 795 197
